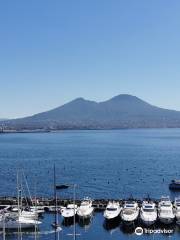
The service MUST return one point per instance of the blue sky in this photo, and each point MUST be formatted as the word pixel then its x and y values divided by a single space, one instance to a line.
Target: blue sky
pixel 54 51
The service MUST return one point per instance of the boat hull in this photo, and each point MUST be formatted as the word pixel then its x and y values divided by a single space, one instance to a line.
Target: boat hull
pixel 178 222
pixel 16 225
pixel 68 214
pixel 174 186
pixel 82 214
pixel 114 218
pixel 148 222
pixel 128 222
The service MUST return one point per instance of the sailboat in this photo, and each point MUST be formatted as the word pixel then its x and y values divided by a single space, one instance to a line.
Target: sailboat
pixel 55 224
pixel 17 221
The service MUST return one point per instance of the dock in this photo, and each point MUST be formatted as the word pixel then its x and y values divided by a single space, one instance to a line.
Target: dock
pixel 49 203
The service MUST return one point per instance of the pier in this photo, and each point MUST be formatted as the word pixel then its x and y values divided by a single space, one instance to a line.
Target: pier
pixel 49 203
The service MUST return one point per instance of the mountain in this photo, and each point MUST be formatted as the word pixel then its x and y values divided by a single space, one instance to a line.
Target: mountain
pixel 122 111
pixel 3 119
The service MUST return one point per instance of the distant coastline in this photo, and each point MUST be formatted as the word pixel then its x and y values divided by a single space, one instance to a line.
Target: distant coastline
pixel 66 130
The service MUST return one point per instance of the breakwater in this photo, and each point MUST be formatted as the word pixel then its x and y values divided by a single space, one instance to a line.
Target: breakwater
pixel 98 204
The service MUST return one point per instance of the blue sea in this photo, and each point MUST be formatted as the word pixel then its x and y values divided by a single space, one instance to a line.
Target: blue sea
pixel 103 164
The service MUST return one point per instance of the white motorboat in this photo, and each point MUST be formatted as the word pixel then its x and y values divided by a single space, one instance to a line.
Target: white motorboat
pixel 165 211
pixel 85 210
pixel 177 209
pixel 148 213
pixel 112 211
pixel 130 212
pixel 69 211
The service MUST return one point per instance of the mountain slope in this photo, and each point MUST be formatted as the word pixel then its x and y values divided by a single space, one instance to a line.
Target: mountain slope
pixel 122 111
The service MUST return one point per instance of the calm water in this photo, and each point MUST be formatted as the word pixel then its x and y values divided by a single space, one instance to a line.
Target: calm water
pixel 104 164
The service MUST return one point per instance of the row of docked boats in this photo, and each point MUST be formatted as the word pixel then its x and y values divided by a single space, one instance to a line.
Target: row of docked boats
pixel 148 213
pixel 85 210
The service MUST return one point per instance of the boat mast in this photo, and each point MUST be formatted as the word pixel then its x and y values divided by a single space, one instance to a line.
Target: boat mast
pixel 18 203
pixel 4 228
pixel 74 200
pixel 55 197
pixel 35 230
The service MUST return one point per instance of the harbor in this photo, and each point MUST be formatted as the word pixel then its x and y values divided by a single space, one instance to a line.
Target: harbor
pixel 127 211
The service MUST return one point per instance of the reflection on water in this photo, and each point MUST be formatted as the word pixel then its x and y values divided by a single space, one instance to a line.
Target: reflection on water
pixel 82 222
pixel 110 225
pixel 87 227
pixel 67 222
pixel 85 222
pixel 128 229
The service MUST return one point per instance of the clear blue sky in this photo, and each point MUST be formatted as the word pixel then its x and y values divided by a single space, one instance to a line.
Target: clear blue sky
pixel 54 51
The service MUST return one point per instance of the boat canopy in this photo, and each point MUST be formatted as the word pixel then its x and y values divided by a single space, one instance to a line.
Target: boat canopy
pixel 129 206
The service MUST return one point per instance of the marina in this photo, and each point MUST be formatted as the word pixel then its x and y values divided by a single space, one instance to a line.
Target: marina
pixel 127 215
pixel 85 208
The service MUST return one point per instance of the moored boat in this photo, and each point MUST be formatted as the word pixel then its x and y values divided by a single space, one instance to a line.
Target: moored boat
pixel 177 210
pixel 165 211
pixel 13 222
pixel 130 212
pixel 85 210
pixel 174 185
pixel 69 211
pixel 148 213
pixel 112 211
